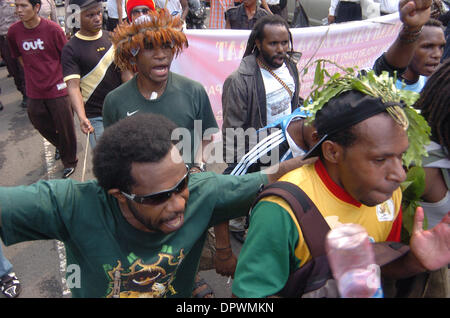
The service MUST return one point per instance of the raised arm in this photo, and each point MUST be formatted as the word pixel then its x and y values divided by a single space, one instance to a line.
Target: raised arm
pixel 414 15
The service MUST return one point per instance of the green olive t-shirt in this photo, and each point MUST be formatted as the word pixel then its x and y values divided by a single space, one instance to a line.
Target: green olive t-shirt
pixel 184 101
pixel 115 258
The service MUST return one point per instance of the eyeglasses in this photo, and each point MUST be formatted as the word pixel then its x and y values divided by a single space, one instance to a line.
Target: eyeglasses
pixel 164 46
pixel 162 196
pixel 141 11
pixel 294 56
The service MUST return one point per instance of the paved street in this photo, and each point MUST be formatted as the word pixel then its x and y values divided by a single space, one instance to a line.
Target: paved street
pixel 23 161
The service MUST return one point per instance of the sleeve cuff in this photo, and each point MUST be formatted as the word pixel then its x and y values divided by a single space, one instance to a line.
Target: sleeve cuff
pixel 72 76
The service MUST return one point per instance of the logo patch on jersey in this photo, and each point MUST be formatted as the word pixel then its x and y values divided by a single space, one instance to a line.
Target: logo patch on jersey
pixel 385 211
pixel 132 113
pixel 333 221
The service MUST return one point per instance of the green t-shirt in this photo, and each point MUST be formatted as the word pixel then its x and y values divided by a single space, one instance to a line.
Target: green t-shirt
pixel 273 237
pixel 102 243
pixel 184 101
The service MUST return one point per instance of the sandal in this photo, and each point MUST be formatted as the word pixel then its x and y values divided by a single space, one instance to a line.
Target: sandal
pixel 10 285
pixel 202 289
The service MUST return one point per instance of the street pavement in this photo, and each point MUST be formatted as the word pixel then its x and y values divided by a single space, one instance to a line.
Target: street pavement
pixel 22 161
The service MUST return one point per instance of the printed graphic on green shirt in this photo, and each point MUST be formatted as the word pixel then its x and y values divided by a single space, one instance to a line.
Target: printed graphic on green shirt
pixel 144 280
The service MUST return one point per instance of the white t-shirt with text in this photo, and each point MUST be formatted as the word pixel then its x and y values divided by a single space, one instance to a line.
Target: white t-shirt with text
pixel 278 100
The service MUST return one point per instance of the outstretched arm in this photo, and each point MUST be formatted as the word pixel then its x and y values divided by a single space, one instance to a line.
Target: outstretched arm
pixel 429 249
pixel 275 172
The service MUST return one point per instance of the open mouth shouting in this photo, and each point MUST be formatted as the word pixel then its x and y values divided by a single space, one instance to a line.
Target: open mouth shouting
pixel 174 223
pixel 161 70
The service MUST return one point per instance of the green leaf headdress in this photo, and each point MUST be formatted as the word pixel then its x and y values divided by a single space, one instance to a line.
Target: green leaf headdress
pixel 383 87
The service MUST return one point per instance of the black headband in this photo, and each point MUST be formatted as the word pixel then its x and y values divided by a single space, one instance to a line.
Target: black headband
pixel 344 111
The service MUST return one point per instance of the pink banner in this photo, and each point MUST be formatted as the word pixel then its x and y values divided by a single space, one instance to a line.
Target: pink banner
pixel 214 54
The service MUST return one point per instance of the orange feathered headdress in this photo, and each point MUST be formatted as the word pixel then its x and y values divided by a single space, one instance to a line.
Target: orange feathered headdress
pixel 155 29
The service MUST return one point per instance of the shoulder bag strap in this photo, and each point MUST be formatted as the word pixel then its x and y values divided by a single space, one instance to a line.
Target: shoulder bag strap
pixel 313 225
pixel 264 66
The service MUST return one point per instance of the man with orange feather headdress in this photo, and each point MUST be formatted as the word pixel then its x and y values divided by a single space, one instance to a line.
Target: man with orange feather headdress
pixel 148 47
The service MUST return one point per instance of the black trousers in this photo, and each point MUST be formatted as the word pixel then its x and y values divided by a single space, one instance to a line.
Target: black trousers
pixel 53 118
pixel 348 11
pixel 13 65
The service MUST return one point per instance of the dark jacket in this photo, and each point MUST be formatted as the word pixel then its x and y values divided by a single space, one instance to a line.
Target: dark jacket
pixel 238 19
pixel 244 102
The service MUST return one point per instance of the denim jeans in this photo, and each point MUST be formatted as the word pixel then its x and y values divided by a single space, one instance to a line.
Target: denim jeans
pixel 5 265
pixel 97 123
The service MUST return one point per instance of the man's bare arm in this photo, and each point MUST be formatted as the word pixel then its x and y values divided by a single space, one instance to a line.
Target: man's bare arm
pixel 119 11
pixel 76 99
pixel 413 14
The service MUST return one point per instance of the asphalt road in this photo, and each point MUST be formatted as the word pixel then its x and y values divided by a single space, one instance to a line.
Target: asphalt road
pixel 22 161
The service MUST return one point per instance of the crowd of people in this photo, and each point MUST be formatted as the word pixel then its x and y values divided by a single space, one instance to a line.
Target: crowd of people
pixel 138 229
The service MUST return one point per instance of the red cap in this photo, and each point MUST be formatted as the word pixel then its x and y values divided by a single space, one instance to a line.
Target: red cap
pixel 134 3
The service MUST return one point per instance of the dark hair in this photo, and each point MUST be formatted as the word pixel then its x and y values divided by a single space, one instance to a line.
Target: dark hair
pixel 434 104
pixel 258 32
pixel 140 138
pixel 34 2
pixel 345 137
pixel 335 108
pixel 434 23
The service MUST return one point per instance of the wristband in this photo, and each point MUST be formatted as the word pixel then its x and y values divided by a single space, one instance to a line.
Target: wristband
pixel 222 248
pixel 225 258
pixel 407 36
pixel 200 166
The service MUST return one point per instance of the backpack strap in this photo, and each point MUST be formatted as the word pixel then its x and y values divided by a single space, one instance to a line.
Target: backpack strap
pixel 315 273
pixel 314 279
pixel 313 225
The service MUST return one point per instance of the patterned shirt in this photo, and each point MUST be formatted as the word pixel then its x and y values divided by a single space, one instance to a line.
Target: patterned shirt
pixel 217 13
pixel 91 59
pixel 7 16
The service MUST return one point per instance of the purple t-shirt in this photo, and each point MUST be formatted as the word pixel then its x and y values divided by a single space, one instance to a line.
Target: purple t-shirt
pixel 40 49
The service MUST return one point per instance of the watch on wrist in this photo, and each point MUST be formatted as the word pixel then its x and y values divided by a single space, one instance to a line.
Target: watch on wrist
pixel 200 166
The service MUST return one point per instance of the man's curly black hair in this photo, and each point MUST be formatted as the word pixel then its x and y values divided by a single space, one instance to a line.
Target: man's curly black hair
pixel 140 138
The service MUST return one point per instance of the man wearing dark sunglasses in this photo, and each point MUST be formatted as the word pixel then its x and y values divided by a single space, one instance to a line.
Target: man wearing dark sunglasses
pixel 138 231
pixel 137 8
